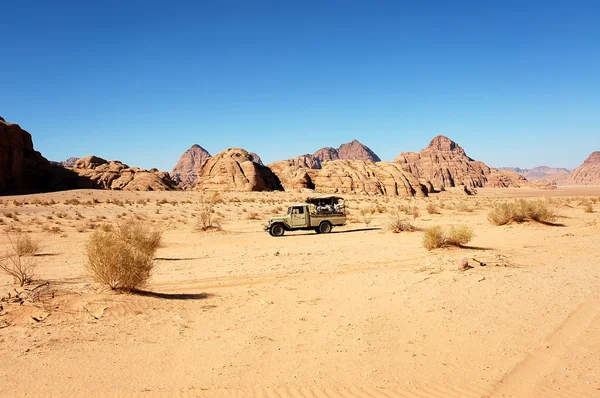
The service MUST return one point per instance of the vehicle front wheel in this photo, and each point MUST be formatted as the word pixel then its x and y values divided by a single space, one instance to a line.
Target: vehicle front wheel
pixel 277 230
pixel 325 227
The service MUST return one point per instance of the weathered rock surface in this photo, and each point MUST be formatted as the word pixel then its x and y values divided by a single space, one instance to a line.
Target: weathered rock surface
pixel 119 176
pixel 381 178
pixel 296 173
pixel 588 173
pixel 445 164
pixel 185 171
pixel 235 170
pixel 25 170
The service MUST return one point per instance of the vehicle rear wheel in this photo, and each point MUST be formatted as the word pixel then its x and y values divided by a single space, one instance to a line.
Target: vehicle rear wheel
pixel 325 227
pixel 277 230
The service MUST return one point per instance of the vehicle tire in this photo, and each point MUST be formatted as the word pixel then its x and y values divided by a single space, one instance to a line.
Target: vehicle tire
pixel 325 227
pixel 317 230
pixel 277 230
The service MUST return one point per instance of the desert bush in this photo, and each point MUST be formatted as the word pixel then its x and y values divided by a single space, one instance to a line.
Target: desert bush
pixel 123 257
pixel 397 224
pixel 19 261
pixel 463 207
pixel 207 219
pixel 521 211
pixel 587 208
pixel 434 237
pixel 415 212
pixel 366 215
pixel 432 208
pixel 458 235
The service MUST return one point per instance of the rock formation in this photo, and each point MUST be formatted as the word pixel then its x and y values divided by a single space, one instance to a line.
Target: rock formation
pixel 118 176
pixel 382 178
pixel 185 171
pixel 235 170
pixel 558 175
pixel 445 164
pixel 588 173
pixel 70 162
pixel 297 173
pixel 25 170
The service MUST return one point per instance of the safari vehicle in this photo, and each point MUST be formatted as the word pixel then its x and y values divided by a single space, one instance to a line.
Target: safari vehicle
pixel 319 213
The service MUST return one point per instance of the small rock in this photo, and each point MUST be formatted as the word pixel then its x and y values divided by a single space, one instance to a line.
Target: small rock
pixel 463 264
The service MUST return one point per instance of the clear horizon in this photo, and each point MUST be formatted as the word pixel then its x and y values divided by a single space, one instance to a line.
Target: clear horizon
pixel 516 85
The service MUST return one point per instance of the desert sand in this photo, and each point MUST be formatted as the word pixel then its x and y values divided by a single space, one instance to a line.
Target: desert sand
pixel 358 312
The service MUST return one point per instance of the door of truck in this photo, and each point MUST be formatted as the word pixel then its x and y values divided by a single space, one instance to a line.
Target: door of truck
pixel 298 217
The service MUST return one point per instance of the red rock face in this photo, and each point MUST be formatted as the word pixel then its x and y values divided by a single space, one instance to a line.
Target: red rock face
pixel 186 170
pixel 25 170
pixel 445 164
pixel 235 170
pixel 588 173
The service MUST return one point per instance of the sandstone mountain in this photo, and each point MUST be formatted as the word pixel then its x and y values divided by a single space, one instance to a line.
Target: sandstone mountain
pixel 445 164
pixel 25 170
pixel 542 173
pixel 119 176
pixel 295 173
pixel 235 170
pixel 185 171
pixel 588 173
pixel 383 178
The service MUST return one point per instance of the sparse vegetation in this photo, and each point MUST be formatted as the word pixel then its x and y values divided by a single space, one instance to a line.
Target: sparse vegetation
pixel 19 261
pixel 123 257
pixel 435 237
pixel 432 208
pixel 397 224
pixel 521 211
pixel 587 208
pixel 207 220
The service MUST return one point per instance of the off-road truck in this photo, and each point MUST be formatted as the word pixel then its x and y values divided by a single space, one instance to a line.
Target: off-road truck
pixel 320 213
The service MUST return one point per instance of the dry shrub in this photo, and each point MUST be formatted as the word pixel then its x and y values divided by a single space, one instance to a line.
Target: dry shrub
pixel 415 212
pixel 207 219
pixel 123 257
pixel 398 224
pixel 459 235
pixel 463 207
pixel 434 237
pixel 521 211
pixel 19 261
pixel 432 209
pixel 587 208
pixel 366 215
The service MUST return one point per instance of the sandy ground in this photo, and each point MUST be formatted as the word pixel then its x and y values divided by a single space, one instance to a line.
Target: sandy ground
pixel 358 312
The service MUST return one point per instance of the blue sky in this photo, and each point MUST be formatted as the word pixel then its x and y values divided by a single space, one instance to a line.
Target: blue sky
pixel 515 83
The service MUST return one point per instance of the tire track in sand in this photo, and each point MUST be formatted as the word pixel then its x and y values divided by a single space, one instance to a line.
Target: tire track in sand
pixel 525 378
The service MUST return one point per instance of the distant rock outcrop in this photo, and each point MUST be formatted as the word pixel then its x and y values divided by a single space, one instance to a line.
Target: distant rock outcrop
pixel 118 176
pixel 235 170
pixel 70 162
pixel 25 170
pixel 382 178
pixel 185 171
pixel 297 173
pixel 558 175
pixel 445 164
pixel 588 173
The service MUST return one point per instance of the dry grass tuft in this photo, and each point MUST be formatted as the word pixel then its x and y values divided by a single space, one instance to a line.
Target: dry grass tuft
pixel 434 237
pixel 398 224
pixel 521 211
pixel 123 257
pixel 19 261
pixel 587 208
pixel 432 208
